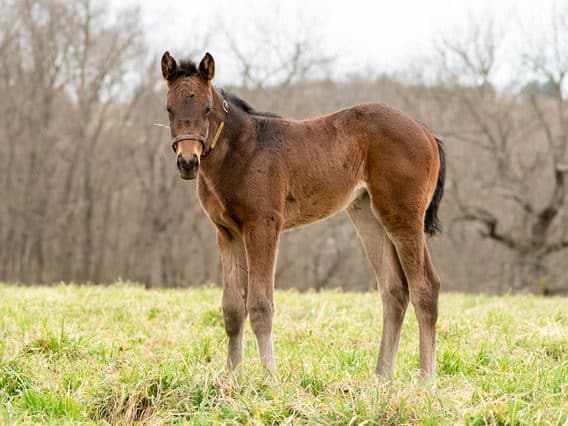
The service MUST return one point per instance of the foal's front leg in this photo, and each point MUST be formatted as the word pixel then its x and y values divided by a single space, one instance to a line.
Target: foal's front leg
pixel 235 276
pixel 261 243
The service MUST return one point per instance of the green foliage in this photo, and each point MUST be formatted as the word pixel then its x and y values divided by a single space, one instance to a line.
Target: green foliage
pixel 123 354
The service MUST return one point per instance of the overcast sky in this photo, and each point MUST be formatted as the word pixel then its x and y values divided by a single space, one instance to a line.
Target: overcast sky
pixel 379 35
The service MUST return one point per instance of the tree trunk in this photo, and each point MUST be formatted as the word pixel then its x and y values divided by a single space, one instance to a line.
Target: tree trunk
pixel 529 273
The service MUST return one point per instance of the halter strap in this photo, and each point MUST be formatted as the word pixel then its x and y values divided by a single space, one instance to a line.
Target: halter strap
pixel 216 138
pixel 219 129
pixel 214 142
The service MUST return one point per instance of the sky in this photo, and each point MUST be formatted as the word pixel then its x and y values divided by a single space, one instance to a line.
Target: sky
pixel 384 36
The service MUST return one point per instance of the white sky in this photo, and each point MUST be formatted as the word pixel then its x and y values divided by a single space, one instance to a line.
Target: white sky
pixel 383 35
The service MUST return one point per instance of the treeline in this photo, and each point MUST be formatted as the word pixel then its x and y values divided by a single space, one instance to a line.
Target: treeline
pixel 90 193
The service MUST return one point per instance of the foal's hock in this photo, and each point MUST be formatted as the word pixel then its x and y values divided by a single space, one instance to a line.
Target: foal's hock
pixel 259 174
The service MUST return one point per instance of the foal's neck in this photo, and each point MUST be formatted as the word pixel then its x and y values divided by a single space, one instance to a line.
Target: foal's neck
pixel 237 123
pixel 235 136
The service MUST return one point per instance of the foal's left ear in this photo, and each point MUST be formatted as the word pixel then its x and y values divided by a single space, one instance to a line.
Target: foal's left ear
pixel 207 67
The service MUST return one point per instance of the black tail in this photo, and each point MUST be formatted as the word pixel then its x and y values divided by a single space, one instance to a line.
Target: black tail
pixel 432 225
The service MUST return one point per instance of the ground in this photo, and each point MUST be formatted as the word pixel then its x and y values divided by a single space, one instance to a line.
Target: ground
pixel 121 353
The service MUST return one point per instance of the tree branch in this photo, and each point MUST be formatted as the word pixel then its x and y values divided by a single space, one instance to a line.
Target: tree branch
pixel 556 247
pixel 490 222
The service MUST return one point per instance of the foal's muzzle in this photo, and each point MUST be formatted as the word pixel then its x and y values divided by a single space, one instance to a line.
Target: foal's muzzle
pixel 188 166
pixel 188 169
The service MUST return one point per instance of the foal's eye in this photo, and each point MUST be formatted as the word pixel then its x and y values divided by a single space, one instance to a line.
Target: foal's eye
pixel 208 111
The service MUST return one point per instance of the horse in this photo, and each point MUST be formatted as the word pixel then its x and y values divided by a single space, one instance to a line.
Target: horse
pixel 259 174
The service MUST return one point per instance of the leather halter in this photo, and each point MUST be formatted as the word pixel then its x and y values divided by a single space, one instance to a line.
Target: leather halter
pixel 201 138
pixel 189 137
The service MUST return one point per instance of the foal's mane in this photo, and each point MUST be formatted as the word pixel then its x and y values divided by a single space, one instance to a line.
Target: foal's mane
pixel 243 105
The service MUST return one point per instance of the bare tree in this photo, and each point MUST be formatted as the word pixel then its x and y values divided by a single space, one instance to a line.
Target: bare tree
pixel 520 181
pixel 66 60
pixel 277 56
pixel 89 189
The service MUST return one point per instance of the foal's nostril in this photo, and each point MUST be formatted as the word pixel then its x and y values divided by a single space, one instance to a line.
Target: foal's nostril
pixel 184 164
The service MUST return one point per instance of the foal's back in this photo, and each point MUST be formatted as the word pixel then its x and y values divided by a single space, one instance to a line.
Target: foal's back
pixel 323 163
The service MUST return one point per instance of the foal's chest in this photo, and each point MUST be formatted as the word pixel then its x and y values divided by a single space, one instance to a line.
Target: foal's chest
pixel 221 211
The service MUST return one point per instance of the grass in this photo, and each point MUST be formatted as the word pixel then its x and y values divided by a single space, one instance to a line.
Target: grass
pixel 124 354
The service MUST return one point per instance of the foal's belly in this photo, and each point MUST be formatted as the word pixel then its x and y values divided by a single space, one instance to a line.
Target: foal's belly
pixel 304 207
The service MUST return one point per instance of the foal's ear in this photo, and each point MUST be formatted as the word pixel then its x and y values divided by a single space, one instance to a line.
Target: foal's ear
pixel 207 67
pixel 169 67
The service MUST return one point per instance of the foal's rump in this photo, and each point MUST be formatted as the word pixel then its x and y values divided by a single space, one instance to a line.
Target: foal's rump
pixel 404 162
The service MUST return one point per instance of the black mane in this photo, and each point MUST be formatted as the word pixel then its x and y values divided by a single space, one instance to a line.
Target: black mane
pixel 243 105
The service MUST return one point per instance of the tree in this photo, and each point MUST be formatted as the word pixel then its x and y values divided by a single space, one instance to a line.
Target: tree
pixel 522 148
pixel 65 66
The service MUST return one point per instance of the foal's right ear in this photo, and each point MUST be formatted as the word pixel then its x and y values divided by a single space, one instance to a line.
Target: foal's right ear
pixel 169 67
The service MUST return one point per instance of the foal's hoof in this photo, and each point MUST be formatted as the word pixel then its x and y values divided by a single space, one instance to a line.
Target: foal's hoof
pixel 428 380
pixel 270 376
pixel 381 380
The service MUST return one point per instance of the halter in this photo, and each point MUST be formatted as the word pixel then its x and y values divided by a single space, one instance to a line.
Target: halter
pixel 201 138
pixel 188 137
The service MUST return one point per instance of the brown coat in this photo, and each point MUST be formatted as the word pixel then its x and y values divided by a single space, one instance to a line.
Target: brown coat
pixel 259 175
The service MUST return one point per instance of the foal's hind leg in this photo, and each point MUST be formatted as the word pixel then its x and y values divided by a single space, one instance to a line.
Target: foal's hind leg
pixel 390 278
pixel 405 227
pixel 429 314
pixel 233 258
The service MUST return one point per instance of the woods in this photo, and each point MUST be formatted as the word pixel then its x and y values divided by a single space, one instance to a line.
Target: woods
pixel 89 190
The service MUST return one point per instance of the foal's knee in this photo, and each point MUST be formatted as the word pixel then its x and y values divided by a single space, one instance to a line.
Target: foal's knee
pixel 261 310
pixel 395 299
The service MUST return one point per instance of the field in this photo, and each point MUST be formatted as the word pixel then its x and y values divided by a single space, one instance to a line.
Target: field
pixel 123 354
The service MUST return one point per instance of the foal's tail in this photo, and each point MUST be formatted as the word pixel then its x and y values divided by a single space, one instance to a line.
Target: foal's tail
pixel 432 225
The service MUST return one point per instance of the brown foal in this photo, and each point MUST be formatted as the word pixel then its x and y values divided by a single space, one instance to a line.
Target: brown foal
pixel 259 174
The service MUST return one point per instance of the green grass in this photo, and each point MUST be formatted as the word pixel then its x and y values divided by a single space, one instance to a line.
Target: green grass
pixel 122 354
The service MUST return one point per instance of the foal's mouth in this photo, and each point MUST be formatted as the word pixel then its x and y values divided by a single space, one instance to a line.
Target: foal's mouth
pixel 188 175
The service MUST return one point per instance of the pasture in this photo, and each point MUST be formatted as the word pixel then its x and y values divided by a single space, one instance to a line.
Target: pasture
pixel 122 353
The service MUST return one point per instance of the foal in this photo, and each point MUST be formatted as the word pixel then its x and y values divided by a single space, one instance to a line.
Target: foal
pixel 259 175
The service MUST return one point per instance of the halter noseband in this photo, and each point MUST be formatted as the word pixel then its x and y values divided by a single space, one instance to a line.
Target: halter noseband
pixel 189 137
pixel 201 138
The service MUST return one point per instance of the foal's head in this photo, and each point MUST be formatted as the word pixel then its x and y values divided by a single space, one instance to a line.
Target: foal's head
pixel 189 104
